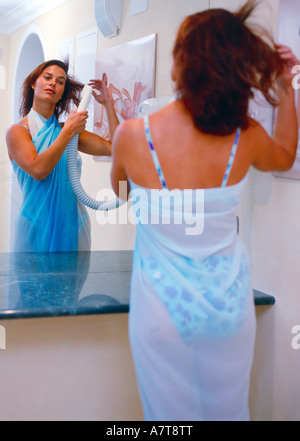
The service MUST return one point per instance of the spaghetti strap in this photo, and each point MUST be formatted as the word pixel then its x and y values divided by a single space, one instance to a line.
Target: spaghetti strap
pixel 153 153
pixel 231 158
pixel 158 166
pixel 21 124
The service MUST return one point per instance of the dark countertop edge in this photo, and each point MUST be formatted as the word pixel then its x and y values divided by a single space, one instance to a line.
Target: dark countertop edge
pixel 263 299
pixel 63 312
pixel 260 299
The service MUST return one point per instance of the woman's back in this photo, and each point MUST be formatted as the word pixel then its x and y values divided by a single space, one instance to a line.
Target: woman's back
pixel 188 157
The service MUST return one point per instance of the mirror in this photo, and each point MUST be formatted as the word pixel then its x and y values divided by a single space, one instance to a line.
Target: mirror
pixel 34 45
pixel 62 27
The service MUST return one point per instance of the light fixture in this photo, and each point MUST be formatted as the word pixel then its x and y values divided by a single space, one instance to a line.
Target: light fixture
pixel 108 15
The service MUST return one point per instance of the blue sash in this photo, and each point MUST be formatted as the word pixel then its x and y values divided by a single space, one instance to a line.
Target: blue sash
pixel 48 217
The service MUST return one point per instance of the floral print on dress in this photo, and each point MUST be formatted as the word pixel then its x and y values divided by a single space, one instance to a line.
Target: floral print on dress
pixel 217 310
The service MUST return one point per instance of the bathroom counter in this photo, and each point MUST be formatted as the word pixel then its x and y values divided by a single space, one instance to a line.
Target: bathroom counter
pixel 64 345
pixel 36 285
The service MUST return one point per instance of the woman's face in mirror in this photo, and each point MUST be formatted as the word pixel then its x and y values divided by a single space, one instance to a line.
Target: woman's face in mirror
pixel 50 85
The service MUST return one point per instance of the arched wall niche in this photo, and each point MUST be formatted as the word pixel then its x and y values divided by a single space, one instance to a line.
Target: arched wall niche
pixel 30 55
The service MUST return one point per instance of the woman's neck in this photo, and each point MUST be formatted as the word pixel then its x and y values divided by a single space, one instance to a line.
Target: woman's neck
pixel 43 109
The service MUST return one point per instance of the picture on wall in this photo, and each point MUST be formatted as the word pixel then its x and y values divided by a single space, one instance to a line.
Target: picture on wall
pixel 129 73
pixel 289 34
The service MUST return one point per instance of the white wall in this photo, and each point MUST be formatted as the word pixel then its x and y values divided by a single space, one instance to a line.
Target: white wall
pixel 268 215
pixel 68 369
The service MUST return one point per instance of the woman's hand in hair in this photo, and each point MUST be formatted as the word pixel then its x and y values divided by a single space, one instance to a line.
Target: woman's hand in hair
pixel 290 60
pixel 100 92
pixel 104 97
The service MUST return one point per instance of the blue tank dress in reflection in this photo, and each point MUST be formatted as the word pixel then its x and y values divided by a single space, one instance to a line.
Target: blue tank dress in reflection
pixel 50 218
pixel 192 321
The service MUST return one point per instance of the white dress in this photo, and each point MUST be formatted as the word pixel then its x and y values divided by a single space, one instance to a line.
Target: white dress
pixel 192 320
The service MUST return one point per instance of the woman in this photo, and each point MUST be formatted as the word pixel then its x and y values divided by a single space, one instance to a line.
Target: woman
pixel 51 218
pixel 192 320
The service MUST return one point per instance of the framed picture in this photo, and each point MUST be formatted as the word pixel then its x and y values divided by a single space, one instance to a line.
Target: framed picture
pixel 65 53
pixel 87 44
pixel 129 73
pixel 289 34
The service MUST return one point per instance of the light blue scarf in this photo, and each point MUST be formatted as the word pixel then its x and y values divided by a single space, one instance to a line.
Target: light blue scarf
pixel 48 217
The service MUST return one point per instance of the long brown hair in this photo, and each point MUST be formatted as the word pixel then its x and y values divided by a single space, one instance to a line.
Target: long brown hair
pixel 71 93
pixel 219 61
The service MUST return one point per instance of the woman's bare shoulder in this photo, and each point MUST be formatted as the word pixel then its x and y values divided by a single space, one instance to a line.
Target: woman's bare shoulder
pixel 19 126
pixel 17 133
pixel 131 125
pixel 129 130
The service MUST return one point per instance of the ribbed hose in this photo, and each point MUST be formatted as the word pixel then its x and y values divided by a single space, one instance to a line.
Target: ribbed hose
pixel 74 176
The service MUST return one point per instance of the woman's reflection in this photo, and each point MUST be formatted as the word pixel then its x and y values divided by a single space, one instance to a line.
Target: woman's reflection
pixel 54 283
pixel 50 279
pixel 50 217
